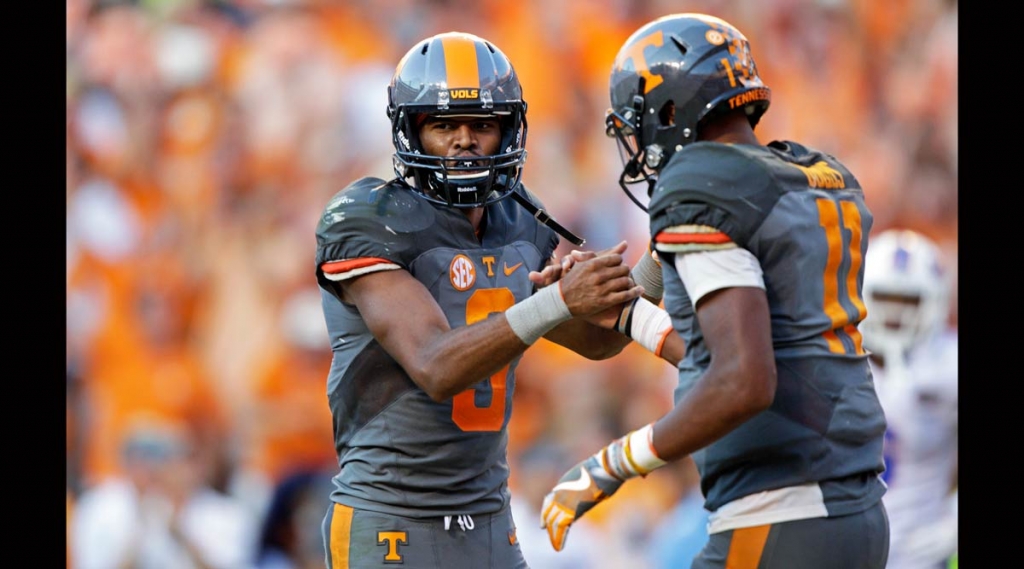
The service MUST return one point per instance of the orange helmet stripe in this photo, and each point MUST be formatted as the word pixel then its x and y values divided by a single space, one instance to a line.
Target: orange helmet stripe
pixel 460 63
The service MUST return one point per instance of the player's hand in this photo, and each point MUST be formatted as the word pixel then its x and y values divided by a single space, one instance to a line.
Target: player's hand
pixel 556 268
pixel 595 479
pixel 577 491
pixel 597 281
pixel 548 275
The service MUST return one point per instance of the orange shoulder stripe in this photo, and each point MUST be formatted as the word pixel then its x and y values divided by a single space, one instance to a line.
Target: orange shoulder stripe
pixel 336 267
pixel 678 238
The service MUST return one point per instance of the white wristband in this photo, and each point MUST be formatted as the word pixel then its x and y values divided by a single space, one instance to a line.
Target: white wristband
pixel 646 323
pixel 535 316
pixel 641 450
pixel 631 455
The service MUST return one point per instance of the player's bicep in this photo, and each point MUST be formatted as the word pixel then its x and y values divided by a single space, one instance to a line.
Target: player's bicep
pixel 728 293
pixel 399 311
pixel 738 320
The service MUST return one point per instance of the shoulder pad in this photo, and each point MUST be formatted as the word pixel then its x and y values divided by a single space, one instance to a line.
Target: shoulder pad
pixel 819 169
pixel 724 186
pixel 371 218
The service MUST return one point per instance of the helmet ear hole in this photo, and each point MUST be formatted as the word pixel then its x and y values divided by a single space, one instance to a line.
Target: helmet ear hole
pixel 667 114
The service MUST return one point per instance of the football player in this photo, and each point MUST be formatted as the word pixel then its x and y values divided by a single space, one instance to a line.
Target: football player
pixel 433 285
pixel 914 360
pixel 761 248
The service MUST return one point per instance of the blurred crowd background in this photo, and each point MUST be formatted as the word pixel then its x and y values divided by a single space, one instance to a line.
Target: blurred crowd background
pixel 204 138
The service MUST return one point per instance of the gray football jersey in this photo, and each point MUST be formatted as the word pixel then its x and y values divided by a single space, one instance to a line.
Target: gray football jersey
pixel 399 451
pixel 802 215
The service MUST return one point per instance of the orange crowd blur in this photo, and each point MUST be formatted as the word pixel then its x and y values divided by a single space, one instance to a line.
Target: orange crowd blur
pixel 203 139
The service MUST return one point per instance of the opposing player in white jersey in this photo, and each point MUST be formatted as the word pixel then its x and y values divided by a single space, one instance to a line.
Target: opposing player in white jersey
pixel 914 362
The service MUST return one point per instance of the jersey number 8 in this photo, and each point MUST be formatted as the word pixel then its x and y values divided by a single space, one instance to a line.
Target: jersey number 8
pixel 465 412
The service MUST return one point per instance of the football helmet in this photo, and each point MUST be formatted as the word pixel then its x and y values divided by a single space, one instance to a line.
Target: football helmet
pixel 671 74
pixel 457 73
pixel 906 291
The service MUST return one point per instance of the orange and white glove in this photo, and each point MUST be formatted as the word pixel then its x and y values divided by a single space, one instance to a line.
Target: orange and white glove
pixel 594 480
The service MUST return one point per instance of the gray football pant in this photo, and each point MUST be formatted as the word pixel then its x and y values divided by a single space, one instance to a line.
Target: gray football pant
pixel 360 539
pixel 856 541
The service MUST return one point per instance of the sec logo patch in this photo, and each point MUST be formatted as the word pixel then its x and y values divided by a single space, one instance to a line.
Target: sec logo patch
pixel 462 272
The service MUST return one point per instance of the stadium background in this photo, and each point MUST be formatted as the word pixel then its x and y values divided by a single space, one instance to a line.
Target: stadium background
pixel 204 137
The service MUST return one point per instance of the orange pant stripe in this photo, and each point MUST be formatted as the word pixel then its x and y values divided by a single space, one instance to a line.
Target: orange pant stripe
pixel 341 529
pixel 746 547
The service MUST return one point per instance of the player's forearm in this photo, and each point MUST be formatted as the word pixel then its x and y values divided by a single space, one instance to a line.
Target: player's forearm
pixel 723 399
pixel 588 340
pixel 673 348
pixel 740 381
pixel 459 358
pixel 463 356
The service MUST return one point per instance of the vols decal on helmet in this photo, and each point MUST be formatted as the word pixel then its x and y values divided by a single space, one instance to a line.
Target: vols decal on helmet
pixel 462 272
pixel 635 53
pixel 464 93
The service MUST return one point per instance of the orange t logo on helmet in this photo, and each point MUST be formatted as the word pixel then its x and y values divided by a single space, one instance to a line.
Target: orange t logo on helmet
pixel 635 53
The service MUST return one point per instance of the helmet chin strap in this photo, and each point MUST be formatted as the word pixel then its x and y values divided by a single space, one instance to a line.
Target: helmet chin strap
pixel 651 181
pixel 543 217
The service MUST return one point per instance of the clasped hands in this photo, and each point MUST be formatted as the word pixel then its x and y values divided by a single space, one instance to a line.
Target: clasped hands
pixel 599 286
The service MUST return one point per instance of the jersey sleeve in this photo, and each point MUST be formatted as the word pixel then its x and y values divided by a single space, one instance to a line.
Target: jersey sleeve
pixel 709 197
pixel 368 226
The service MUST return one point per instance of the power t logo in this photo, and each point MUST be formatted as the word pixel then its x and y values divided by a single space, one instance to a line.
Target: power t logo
pixel 392 539
pixel 635 54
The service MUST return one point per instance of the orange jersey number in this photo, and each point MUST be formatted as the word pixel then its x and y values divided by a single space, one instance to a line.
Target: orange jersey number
pixel 830 219
pixel 482 303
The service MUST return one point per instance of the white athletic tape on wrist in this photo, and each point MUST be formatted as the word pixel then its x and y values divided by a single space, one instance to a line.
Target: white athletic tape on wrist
pixel 647 273
pixel 646 323
pixel 631 455
pixel 535 316
pixel 651 325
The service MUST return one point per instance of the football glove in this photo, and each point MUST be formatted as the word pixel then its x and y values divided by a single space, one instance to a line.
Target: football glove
pixel 586 485
pixel 594 480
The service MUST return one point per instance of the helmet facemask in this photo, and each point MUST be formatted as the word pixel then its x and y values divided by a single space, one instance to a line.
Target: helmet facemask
pixel 624 126
pixel 460 182
pixel 641 162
